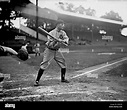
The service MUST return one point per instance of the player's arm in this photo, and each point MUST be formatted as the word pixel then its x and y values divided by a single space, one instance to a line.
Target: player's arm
pixel 10 50
pixel 49 37
pixel 64 38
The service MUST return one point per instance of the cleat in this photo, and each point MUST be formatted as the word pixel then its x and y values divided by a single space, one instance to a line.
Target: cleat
pixel 65 81
pixel 36 83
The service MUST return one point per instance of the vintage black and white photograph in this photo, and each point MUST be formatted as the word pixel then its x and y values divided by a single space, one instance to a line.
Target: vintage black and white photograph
pixel 63 51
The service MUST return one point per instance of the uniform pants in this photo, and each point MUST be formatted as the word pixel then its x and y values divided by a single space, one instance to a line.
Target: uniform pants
pixel 49 55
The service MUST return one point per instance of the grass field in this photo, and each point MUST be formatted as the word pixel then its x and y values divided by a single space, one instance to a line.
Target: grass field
pixel 82 57
pixel 23 74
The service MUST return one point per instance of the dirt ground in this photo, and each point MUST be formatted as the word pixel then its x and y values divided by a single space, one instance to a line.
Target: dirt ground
pixel 100 83
pixel 97 86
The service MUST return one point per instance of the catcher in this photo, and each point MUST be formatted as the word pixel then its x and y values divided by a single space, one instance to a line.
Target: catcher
pixel 51 52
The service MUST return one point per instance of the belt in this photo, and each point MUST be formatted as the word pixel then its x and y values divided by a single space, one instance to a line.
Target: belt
pixel 52 49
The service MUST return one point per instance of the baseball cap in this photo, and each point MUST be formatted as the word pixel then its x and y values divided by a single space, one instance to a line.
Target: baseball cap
pixel 60 21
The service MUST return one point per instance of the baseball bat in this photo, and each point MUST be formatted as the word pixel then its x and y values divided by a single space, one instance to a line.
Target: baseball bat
pixel 53 37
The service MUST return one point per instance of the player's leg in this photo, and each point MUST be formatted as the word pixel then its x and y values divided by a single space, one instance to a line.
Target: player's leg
pixel 39 52
pixel 35 52
pixel 48 56
pixel 59 58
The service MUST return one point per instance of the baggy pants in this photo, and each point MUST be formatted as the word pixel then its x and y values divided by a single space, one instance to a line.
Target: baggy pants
pixel 49 55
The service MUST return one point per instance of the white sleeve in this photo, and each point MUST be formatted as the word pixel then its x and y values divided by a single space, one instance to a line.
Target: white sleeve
pixel 52 34
pixel 66 39
pixel 8 49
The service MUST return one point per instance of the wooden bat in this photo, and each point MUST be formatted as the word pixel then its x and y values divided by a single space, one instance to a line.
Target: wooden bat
pixel 53 37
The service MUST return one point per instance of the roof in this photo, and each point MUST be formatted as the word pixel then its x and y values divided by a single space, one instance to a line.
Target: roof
pixel 29 11
pixel 54 14
pixel 75 17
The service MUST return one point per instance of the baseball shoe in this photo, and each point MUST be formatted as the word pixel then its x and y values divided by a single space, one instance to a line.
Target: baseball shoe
pixel 36 83
pixel 65 81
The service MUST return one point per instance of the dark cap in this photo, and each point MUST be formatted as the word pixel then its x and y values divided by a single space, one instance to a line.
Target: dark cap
pixel 60 22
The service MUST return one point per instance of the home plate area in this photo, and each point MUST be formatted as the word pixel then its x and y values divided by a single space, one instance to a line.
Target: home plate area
pixel 69 92
pixel 90 84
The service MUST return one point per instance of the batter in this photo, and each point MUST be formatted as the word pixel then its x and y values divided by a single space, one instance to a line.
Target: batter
pixel 51 52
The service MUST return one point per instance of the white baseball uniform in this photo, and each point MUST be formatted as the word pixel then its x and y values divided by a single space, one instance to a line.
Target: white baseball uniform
pixel 50 54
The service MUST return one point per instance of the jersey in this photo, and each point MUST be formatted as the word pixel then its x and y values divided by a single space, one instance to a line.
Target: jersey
pixel 54 44
pixel 24 47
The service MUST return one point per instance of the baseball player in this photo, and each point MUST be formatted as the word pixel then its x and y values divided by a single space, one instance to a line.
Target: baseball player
pixel 24 47
pixel 24 50
pixel 51 52
pixel 21 54
pixel 37 49
pixel 4 50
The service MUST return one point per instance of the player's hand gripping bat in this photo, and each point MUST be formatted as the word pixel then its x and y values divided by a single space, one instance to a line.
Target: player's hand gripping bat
pixel 54 37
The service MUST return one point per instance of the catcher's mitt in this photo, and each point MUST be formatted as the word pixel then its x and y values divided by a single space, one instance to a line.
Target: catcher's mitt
pixel 22 54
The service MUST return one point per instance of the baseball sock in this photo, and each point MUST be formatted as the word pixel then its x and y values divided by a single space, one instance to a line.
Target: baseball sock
pixel 63 71
pixel 40 72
